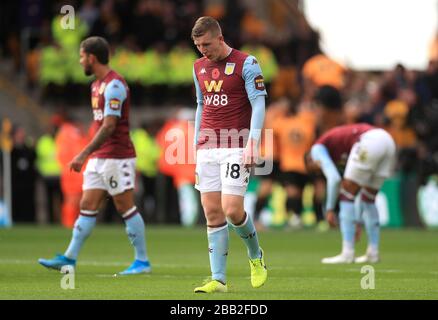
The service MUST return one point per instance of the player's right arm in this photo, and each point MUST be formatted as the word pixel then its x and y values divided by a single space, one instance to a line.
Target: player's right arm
pixel 320 154
pixel 256 92
pixel 105 131
pixel 199 103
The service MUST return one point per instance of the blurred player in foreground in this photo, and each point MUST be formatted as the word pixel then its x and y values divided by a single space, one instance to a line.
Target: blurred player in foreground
pixel 111 168
pixel 368 154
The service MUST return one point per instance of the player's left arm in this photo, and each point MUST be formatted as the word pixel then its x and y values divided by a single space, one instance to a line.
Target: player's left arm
pixel 321 155
pixel 199 107
pixel 115 95
pixel 255 89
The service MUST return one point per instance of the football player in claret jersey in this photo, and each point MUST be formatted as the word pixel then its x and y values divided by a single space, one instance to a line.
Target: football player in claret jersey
pixel 111 166
pixel 368 154
pixel 230 96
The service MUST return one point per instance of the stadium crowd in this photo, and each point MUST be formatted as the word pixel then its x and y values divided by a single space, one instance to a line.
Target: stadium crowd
pixel 308 93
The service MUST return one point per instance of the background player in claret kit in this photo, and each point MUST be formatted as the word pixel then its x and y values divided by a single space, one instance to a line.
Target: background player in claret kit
pixel 111 168
pixel 230 95
pixel 369 155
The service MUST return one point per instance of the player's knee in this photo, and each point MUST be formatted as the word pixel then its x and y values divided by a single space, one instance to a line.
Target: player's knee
pixel 368 195
pixel 124 201
pixel 233 212
pixel 350 186
pixel 211 208
pixel 122 209
pixel 89 204
pixel 214 216
pixel 230 211
pixel 123 206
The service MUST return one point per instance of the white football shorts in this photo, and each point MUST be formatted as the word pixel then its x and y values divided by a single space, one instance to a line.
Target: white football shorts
pixel 221 169
pixel 113 175
pixel 372 159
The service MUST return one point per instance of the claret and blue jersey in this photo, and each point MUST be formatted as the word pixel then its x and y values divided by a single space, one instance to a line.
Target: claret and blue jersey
pixel 331 150
pixel 110 97
pixel 225 91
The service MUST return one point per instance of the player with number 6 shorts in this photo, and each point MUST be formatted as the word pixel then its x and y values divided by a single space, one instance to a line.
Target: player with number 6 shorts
pixel 230 96
pixel 111 166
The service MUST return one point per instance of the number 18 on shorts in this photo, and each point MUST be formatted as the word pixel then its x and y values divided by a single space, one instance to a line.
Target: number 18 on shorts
pixel 221 169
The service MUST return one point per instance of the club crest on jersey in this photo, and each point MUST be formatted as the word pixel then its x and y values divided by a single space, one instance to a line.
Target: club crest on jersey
pixel 114 104
pixel 362 154
pixel 102 88
pixel 259 83
pixel 229 68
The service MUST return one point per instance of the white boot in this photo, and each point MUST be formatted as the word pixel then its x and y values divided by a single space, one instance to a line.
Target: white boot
pixel 344 257
pixel 368 258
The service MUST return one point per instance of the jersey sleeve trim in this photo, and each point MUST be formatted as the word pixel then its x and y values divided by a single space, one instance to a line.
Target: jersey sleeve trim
pixel 253 77
pixel 115 95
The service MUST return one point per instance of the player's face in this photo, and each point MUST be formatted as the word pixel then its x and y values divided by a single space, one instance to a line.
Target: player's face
pixel 85 62
pixel 210 46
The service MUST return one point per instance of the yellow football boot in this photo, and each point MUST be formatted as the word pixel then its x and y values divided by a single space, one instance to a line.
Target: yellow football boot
pixel 259 272
pixel 211 287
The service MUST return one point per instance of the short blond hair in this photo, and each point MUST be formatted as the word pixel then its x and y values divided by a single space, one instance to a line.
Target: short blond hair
pixel 204 25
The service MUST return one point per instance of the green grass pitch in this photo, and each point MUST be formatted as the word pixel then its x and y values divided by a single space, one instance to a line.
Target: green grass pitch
pixel 179 257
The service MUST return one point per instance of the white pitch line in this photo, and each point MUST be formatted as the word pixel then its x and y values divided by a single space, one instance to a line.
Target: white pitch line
pixel 122 264
pixel 378 270
pixel 98 263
